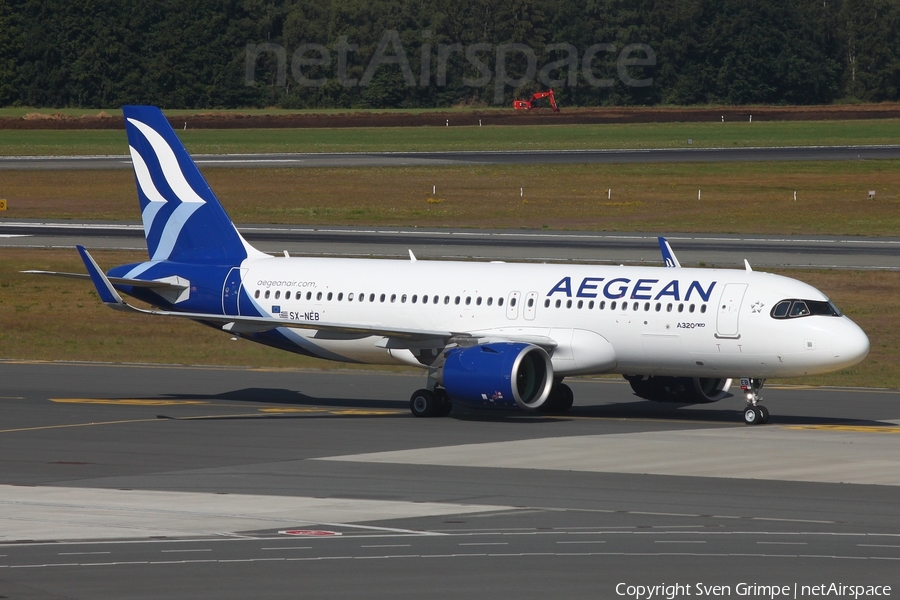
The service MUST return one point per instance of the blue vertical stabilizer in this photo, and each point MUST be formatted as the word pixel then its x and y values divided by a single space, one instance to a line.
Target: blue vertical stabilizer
pixel 183 219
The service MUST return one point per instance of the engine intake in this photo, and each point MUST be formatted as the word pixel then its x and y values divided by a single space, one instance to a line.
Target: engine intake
pixel 504 375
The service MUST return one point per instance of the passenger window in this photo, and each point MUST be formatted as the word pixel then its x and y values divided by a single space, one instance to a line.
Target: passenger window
pixel 393 297
pixel 478 301
pixel 512 301
pixel 580 303
pixel 646 306
pixel 256 294
pixel 267 294
pixel 350 297
pixel 547 303
pixel 681 308
pixel 612 305
pixel 691 308
pixel 381 298
pixel 287 295
pixel 456 300
pixel 446 299
pixel 568 304
pixel 702 308
pixel 319 296
pixel 499 301
pixel 435 300
pixel 636 306
pixel 531 303
pixel 490 301
pixel 591 304
pixel 558 303
pixel 403 299
pixel 468 300
pixel 330 296
pixel 669 307
pixel 277 294
pixel 309 295
pixel 602 304
pixel 371 297
pixel 424 299
pixel 414 298
pixel 341 296
pixel 658 306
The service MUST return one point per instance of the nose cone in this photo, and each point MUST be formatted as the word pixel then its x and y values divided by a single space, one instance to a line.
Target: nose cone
pixel 851 344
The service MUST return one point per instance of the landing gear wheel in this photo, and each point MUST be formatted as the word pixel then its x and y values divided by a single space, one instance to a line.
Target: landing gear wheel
pixel 564 398
pixel 752 415
pixel 764 414
pixel 560 400
pixel 444 404
pixel 423 403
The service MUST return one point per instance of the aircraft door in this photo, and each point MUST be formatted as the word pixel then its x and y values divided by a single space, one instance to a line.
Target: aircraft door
pixel 531 300
pixel 231 292
pixel 512 305
pixel 730 310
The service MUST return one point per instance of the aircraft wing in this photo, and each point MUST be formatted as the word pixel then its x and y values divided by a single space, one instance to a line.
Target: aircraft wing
pixel 668 256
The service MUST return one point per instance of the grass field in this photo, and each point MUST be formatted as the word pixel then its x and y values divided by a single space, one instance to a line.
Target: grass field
pixel 21 111
pixel 736 197
pixel 408 139
pixel 43 318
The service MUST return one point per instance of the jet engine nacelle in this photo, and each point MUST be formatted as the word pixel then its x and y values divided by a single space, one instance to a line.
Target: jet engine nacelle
pixel 502 375
pixel 694 390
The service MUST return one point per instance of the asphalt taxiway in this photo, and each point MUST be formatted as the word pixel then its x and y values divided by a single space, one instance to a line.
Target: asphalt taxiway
pixel 519 157
pixel 136 481
pixel 724 250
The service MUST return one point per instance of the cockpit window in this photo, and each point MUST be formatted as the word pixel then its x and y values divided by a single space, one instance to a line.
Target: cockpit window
pixel 799 309
pixel 792 309
pixel 781 309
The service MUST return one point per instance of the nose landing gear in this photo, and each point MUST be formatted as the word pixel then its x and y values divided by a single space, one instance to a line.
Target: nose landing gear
pixel 755 413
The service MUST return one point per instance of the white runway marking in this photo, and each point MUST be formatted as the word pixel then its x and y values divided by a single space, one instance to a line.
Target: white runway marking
pixel 776 453
pixel 58 513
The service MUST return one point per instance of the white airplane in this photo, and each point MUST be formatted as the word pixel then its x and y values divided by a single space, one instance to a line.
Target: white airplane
pixel 489 335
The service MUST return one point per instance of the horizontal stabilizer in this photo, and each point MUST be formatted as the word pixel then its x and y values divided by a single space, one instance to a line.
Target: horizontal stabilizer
pixel 153 285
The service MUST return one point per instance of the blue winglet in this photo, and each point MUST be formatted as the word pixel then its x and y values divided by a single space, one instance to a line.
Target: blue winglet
pixel 667 254
pixel 105 290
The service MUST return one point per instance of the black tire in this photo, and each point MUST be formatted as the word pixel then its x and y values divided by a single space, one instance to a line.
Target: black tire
pixel 752 415
pixel 764 414
pixel 560 400
pixel 423 403
pixel 564 399
pixel 444 403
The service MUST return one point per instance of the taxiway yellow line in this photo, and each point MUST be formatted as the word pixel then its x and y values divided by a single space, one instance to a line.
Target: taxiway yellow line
pixel 128 401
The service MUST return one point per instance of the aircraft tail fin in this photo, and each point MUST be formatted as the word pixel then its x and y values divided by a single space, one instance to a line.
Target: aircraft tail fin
pixel 183 219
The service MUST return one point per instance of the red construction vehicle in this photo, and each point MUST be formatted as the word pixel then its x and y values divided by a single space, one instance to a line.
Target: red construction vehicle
pixel 530 103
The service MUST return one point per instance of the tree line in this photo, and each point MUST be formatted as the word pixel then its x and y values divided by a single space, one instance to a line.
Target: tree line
pixel 430 53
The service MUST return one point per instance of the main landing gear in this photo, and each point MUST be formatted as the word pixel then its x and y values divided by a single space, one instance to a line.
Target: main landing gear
pixel 435 403
pixel 425 403
pixel 755 413
pixel 560 400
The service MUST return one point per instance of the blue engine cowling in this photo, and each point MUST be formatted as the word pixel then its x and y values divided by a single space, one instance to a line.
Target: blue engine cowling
pixel 503 374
